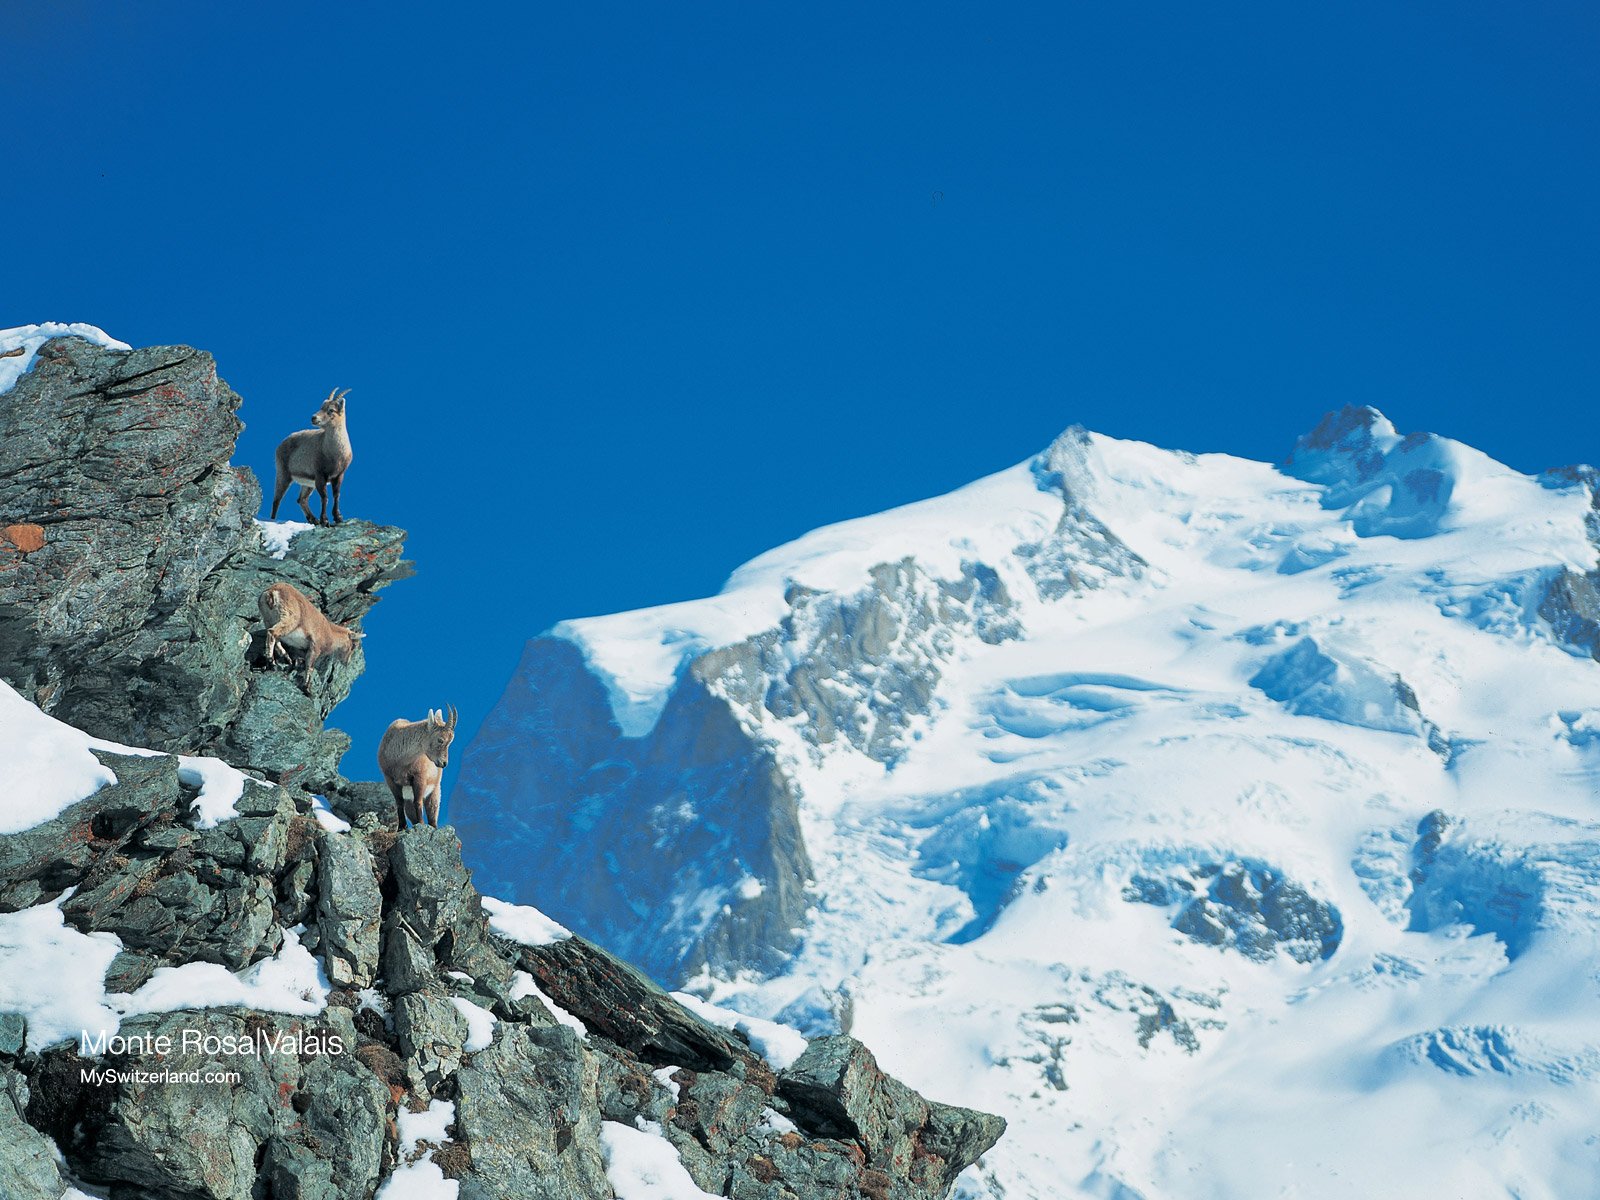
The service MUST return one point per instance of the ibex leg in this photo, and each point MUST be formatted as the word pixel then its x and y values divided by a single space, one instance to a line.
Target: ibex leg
pixel 278 490
pixel 309 666
pixel 400 805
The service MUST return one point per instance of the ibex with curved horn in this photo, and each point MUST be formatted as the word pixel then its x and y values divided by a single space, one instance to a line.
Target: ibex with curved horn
pixel 412 757
pixel 316 458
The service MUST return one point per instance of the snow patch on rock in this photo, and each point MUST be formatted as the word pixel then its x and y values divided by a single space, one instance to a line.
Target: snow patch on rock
pixel 20 345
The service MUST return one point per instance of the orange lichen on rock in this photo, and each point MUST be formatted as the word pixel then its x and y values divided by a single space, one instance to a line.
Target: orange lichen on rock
pixel 26 538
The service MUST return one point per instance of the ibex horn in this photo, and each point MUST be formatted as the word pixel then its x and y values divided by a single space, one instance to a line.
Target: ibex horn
pixel 453 715
pixel 332 394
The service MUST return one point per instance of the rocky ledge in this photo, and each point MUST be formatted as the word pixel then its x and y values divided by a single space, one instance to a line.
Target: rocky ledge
pixel 479 1057
pixel 131 562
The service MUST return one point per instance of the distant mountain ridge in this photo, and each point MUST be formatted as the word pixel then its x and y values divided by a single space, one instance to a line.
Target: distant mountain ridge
pixel 1106 766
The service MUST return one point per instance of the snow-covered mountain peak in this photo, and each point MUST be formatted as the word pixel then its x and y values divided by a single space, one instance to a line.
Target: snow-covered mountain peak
pixel 1140 776
pixel 1349 442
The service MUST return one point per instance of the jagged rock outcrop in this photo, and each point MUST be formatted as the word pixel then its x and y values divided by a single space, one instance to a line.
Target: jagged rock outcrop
pixel 528 1105
pixel 135 618
pixel 420 1004
pixel 836 1086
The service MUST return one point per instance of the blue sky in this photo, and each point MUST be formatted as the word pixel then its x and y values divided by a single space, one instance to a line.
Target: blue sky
pixel 626 294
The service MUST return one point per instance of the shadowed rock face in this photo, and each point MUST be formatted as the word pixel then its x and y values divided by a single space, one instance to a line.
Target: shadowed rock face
pixel 631 842
pixel 1571 599
pixel 700 806
pixel 1246 906
pixel 162 656
pixel 136 617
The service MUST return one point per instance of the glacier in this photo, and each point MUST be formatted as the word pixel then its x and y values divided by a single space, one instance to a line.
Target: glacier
pixel 1229 827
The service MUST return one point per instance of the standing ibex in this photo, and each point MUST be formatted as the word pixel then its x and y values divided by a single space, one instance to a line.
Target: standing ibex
pixel 294 623
pixel 315 458
pixel 412 757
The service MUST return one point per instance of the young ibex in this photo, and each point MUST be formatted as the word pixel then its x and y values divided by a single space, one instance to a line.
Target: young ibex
pixel 294 623
pixel 412 757
pixel 316 458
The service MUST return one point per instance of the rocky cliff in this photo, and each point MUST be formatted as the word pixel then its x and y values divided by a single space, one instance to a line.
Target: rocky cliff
pixel 219 886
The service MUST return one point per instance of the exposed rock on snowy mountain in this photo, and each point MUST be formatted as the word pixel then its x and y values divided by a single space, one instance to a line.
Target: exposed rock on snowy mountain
pixel 186 870
pixel 1203 805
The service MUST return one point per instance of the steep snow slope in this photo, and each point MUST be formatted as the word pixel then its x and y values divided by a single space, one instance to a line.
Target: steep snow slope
pixel 1231 829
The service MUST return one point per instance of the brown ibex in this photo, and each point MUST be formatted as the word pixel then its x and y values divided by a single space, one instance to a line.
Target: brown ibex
pixel 316 458
pixel 294 623
pixel 412 757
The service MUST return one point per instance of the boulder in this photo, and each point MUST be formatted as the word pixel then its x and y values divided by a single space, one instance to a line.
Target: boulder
pixel 525 1107
pixel 623 1005
pixel 349 906
pixel 836 1088
pixel 432 1032
pixel 163 1138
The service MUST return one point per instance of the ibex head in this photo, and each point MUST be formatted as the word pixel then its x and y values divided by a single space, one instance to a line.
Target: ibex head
pixel 441 733
pixel 332 411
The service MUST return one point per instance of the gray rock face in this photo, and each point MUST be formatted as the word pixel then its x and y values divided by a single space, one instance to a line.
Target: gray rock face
pixel 1082 553
pixel 164 1138
pixel 1346 448
pixel 435 894
pixel 37 864
pixel 349 906
pixel 28 1168
pixel 526 1108
pixel 188 896
pixel 134 619
pixel 407 965
pixel 836 1087
pixel 628 1009
pixel 1245 906
pixel 171 893
pixel 844 663
pixel 1571 604
pixel 432 1035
